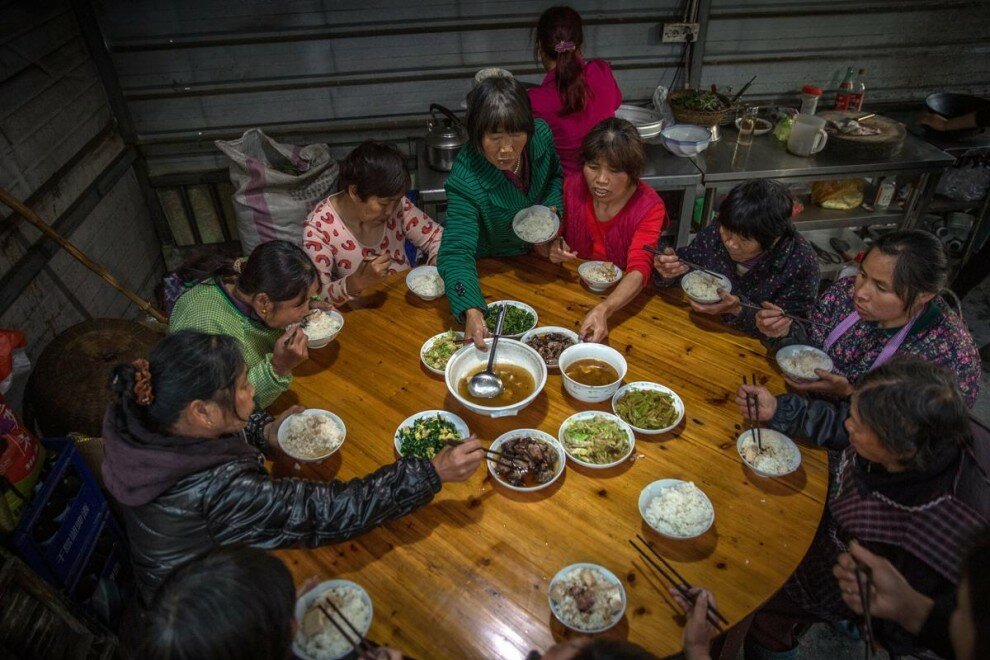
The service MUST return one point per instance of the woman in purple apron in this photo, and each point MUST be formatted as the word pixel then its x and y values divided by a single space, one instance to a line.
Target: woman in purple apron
pixel 891 307
pixel 908 481
pixel 755 245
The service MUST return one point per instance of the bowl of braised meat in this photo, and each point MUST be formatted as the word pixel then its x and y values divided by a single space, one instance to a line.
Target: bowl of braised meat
pixel 526 459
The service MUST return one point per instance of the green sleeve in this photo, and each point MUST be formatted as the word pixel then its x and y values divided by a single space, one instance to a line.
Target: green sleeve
pixel 457 260
pixel 268 385
pixel 555 187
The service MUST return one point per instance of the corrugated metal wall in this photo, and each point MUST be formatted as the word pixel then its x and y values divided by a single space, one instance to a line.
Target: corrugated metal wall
pixel 195 70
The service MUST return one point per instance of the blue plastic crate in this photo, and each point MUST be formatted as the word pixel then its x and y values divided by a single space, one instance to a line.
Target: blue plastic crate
pixel 57 533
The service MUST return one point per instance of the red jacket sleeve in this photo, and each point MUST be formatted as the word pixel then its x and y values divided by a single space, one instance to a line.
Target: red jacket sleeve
pixel 647 233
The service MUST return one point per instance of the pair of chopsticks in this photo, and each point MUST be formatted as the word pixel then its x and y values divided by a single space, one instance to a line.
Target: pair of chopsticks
pixel 753 405
pixel 799 319
pixel 492 455
pixel 864 580
pixel 689 264
pixel 682 586
pixel 362 645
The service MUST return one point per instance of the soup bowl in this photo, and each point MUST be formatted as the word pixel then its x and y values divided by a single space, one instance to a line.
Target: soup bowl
pixel 591 393
pixel 509 351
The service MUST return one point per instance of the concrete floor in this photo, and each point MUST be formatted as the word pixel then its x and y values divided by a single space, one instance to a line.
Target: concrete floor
pixel 823 641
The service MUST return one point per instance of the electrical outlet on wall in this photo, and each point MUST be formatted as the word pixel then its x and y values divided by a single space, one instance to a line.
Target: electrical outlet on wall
pixel 679 32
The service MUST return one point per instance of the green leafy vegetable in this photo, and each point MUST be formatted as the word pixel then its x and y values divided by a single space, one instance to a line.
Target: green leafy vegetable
pixel 516 320
pixel 426 437
pixel 441 350
pixel 698 100
pixel 596 440
pixel 647 409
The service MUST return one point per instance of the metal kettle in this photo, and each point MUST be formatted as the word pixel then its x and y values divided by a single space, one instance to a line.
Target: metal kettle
pixel 445 137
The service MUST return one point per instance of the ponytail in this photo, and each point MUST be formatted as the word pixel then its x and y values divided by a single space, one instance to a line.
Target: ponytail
pixel 559 37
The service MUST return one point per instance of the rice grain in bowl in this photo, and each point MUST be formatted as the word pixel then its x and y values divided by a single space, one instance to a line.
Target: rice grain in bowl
pixel 536 224
pixel 599 275
pixel 322 327
pixel 587 598
pixel 780 456
pixel 317 638
pixel 676 509
pixel 311 435
pixel 425 282
pixel 799 362
pixel 703 287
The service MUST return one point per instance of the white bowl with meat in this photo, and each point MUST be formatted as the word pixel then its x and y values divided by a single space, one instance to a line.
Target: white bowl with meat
pixel 550 341
pixel 599 275
pixel 587 598
pixel 312 435
pixel 530 460
pixel 436 351
pixel 317 638
pixel 703 287
pixel 779 456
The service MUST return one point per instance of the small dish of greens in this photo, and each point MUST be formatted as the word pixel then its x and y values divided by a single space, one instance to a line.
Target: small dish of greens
pixel 649 408
pixel 520 318
pixel 423 435
pixel 596 439
pixel 438 349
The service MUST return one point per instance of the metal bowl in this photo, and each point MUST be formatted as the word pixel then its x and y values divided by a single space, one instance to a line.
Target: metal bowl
pixel 647 121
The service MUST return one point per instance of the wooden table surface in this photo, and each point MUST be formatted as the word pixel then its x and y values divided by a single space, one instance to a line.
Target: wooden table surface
pixel 467 575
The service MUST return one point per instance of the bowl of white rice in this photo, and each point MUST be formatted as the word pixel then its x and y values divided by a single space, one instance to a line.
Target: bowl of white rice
pixel 536 224
pixel 317 638
pixel 798 362
pixel 425 282
pixel 779 457
pixel 322 327
pixel 311 435
pixel 676 509
pixel 599 275
pixel 703 287
pixel 587 598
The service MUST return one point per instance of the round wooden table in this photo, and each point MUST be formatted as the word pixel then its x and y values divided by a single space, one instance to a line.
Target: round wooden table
pixel 467 575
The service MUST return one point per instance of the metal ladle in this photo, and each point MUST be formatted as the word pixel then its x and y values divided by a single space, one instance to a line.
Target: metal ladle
pixel 485 384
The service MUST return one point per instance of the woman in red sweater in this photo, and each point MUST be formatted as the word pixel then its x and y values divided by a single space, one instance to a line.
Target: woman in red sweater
pixel 610 215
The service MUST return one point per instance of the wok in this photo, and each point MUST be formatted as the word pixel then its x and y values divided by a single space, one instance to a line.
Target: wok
pixel 951 105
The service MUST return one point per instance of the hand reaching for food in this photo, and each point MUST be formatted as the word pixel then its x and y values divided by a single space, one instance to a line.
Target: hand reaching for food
pixel 594 328
pixel 459 462
pixel 698 630
pixel 560 251
pixel 475 329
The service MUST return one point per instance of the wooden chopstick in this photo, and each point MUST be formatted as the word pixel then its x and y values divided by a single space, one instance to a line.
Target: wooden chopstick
pixel 678 575
pixel 690 264
pixel 493 455
pixel 712 615
pixel 363 644
pixel 756 406
pixel 799 319
pixel 863 574
pixel 749 413
pixel 343 633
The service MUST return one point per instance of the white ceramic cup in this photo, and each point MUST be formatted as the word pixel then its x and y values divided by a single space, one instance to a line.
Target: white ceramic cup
pixel 808 135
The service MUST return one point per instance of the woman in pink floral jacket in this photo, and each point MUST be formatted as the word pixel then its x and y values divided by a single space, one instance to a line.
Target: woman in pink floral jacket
pixel 356 237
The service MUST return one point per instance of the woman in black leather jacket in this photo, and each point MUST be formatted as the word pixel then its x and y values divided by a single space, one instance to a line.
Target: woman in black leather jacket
pixel 183 458
pixel 907 481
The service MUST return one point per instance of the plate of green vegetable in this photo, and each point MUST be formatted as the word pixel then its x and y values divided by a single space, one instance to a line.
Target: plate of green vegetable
pixel 438 349
pixel 520 318
pixel 596 439
pixel 423 435
pixel 649 408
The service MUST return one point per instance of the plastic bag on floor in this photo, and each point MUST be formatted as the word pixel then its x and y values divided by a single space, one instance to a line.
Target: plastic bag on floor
pixel 276 185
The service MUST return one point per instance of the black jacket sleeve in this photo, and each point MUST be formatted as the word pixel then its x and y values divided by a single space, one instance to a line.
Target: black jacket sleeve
pixel 821 422
pixel 244 505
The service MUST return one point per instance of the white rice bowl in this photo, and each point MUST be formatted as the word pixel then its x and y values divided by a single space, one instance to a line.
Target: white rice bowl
pixel 780 455
pixel 608 598
pixel 798 362
pixel 703 287
pixel 326 642
pixel 676 509
pixel 536 224
pixel 311 435
pixel 322 327
pixel 425 282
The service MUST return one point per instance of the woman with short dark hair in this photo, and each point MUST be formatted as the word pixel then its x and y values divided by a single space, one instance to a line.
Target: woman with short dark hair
pixel 356 237
pixel 183 459
pixel 911 485
pixel 235 603
pixel 576 94
pixel 611 216
pixel 253 301
pixel 754 244
pixel 892 307
pixel 509 164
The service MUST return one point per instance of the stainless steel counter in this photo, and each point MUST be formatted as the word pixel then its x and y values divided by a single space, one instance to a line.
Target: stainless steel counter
pixel 768 158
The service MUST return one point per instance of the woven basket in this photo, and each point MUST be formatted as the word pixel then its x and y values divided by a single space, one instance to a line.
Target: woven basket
pixel 698 117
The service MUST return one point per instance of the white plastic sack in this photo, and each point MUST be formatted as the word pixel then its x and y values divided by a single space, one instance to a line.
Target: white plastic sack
pixel 276 186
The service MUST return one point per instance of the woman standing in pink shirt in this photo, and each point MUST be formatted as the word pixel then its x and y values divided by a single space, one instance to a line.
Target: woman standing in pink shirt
pixel 575 95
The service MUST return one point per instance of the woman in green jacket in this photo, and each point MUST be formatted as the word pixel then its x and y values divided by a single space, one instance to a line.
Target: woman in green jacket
pixel 253 301
pixel 509 163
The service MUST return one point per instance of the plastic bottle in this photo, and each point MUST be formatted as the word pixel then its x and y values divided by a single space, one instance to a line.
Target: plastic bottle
pixel 885 193
pixel 859 91
pixel 809 99
pixel 845 91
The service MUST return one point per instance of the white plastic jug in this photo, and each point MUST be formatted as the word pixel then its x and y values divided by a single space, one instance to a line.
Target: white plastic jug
pixel 808 135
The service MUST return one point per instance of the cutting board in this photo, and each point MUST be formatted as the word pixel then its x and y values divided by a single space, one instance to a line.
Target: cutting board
pixel 885 144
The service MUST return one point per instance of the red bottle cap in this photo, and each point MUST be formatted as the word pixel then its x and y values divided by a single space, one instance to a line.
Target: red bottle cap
pixel 811 89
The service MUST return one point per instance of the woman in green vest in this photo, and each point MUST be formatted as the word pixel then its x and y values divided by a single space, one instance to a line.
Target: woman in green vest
pixel 509 163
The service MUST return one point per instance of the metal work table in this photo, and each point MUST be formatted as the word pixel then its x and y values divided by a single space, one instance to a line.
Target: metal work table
pixel 725 164
pixel 663 172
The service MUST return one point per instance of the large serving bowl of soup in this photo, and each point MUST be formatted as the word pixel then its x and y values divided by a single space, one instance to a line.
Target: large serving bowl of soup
pixel 591 372
pixel 522 370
